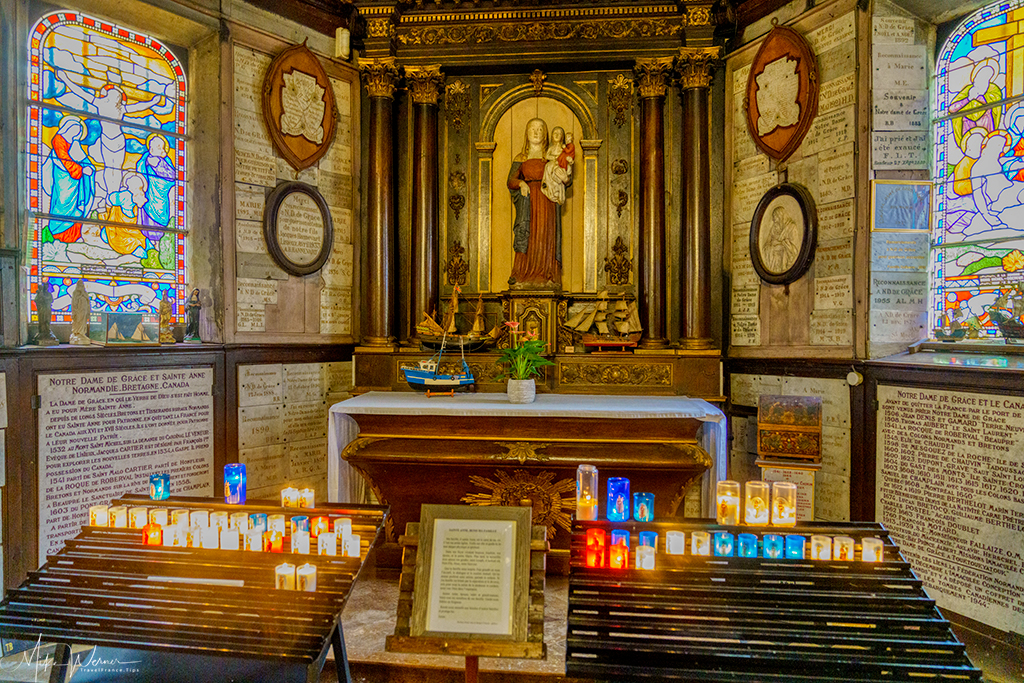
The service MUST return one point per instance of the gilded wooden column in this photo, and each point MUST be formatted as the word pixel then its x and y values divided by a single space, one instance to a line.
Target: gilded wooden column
pixel 380 76
pixel 424 84
pixel 652 80
pixel 695 67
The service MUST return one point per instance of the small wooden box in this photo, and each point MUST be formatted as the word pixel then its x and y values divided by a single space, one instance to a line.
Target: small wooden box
pixel 124 329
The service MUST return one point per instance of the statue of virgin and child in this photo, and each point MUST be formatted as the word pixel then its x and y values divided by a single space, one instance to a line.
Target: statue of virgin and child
pixel 538 180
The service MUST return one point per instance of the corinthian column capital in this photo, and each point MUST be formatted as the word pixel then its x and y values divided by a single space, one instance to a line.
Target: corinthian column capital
pixel 696 65
pixel 653 75
pixel 380 76
pixel 425 83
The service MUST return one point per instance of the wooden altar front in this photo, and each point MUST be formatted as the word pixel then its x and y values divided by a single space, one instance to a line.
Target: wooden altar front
pixel 481 450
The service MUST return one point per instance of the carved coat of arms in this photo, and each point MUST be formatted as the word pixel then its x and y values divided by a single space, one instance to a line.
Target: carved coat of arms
pixel 298 107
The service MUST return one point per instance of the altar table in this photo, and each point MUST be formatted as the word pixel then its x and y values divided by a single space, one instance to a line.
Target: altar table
pixel 481 449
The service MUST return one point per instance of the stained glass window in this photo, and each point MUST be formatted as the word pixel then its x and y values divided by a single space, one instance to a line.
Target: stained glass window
pixel 106 163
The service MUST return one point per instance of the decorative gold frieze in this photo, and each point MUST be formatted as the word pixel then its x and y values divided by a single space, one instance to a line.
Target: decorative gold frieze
pixel 519 31
pixel 380 76
pixel 456 104
pixel 699 16
pixel 618 266
pixel 537 78
pixel 521 451
pixel 620 98
pixel 696 65
pixel 380 28
pixel 424 83
pixel 653 76
pixel 640 374
pixel 456 268
pixel 552 502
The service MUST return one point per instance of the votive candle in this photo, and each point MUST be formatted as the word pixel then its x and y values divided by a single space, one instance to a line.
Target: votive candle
pixel 289 497
pixel 274 523
pixel 239 521
pixel 700 543
pixel 618 556
pixel 649 539
pixel 755 503
pixel 319 525
pixel 229 539
pixel 871 549
pixel 305 578
pixel 351 546
pixel 644 557
pixel 99 515
pixel 194 536
pixel 618 499
pixel 259 520
pixel 273 542
pixel 299 522
pixel 327 544
pixel 300 542
pixel 643 507
pixel 595 552
pixel 842 548
pixel 307 498
pixel 284 577
pixel 159 486
pixel 784 503
pixel 795 547
pixel 724 544
pixel 342 526
pixel 219 520
pixel 747 544
pixel 199 518
pixel 675 542
pixel 211 537
pixel 774 546
pixel 586 492
pixel 175 536
pixel 620 537
pixel 138 517
pixel 179 517
pixel 254 540
pixel 821 547
pixel 152 534
pixel 727 502
pixel 118 516
pixel 234 483
pixel 159 516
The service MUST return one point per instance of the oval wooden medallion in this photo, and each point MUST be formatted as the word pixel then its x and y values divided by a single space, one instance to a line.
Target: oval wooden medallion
pixel 782 93
pixel 298 107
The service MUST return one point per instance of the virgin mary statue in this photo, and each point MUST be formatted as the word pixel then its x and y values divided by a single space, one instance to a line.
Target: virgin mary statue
pixel 537 229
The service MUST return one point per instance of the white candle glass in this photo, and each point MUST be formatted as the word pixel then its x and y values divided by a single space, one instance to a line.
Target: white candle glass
pixel 174 536
pixel 821 547
pixel 755 503
pixel 118 516
pixel 99 515
pixel 305 577
pixel 300 542
pixel 159 516
pixel 842 548
pixel 352 545
pixel 342 527
pixel 871 549
pixel 700 543
pixel 179 517
pixel 284 577
pixel 644 557
pixel 254 540
pixel 327 544
pixel 211 537
pixel 194 536
pixel 727 508
pixel 783 503
pixel 219 520
pixel 290 497
pixel 307 498
pixel 229 539
pixel 239 521
pixel 199 518
pixel 675 542
pixel 276 523
pixel 138 517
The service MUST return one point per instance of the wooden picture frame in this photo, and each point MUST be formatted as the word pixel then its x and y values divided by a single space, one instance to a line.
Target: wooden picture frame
pixel 272 233
pixel 785 70
pixel 472 521
pixel 783 234
pixel 901 206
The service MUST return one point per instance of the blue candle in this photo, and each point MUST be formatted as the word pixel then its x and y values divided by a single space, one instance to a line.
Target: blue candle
pixel 234 484
pixel 723 544
pixel 620 537
pixel 301 522
pixel 643 507
pixel 773 546
pixel 795 547
pixel 258 520
pixel 618 499
pixel 649 538
pixel 748 545
pixel 159 486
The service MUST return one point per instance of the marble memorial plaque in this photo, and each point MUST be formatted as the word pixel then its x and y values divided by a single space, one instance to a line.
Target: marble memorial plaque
pixel 304 421
pixel 251 135
pixel 743 389
pixel 336 189
pixel 829 131
pixel 838 61
pixel 746 331
pixel 899 151
pixel 337 272
pixel 300 228
pixel 303 382
pixel 836 173
pixel 250 317
pixel 256 291
pixel 831 496
pixel 307 458
pixel 833 292
pixel 834 393
pixel 342 96
pixel 747 193
pixel 250 70
pixel 892 30
pixel 743 146
pixel 904 327
pixel 805 172
pixel 260 384
pixel 746 301
pixel 833 258
pixel 835 450
pixel 264 465
pixel 249 202
pixel 899 252
pixel 900 110
pixel 338 376
pixel 899 67
pixel 832 327
pixel 257 266
pixel 833 33
pixel 249 237
pixel 335 310
pixel 837 93
pixel 899 291
pixel 342 220
pixel 743 273
pixel 739 79
pixel 260 426
pixel 751 167
pixel 835 221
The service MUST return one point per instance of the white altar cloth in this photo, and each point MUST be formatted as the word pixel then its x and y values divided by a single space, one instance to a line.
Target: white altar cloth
pixel 345 486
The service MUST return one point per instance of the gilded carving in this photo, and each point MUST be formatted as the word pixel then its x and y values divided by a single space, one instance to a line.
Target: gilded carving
pixel 620 98
pixel 653 76
pixel 648 374
pixel 456 268
pixel 424 83
pixel 537 78
pixel 380 28
pixel 563 334
pixel 514 32
pixel 620 201
pixel 457 200
pixel 699 16
pixel 618 266
pixel 380 76
pixel 456 104
pixel 551 508
pixel 521 451
pixel 696 65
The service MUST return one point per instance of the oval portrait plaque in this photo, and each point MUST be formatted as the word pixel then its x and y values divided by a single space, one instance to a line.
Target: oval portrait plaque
pixel 783 234
pixel 297 228
pixel 782 93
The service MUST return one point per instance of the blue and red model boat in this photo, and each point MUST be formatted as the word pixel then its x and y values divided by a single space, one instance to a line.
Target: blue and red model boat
pixel 427 377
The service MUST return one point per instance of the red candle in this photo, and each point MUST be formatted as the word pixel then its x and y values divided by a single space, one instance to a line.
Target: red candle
pixel 595 548
pixel 273 542
pixel 152 534
pixel 319 525
pixel 618 556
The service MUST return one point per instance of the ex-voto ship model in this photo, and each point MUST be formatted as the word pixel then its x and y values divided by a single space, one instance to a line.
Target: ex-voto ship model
pixel 602 329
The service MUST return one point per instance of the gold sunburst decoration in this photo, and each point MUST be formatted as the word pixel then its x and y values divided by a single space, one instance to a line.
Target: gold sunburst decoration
pixel 550 508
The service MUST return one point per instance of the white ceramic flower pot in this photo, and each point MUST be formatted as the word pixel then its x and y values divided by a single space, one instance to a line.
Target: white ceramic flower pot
pixel 521 390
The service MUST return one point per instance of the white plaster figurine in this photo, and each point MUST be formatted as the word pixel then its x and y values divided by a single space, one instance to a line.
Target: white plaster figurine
pixel 80 315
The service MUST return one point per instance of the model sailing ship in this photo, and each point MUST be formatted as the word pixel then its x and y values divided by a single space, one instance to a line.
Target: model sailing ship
pixel 602 329
pixel 427 376
pixel 433 335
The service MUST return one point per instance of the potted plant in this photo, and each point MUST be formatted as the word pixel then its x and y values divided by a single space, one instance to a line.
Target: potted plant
pixel 522 361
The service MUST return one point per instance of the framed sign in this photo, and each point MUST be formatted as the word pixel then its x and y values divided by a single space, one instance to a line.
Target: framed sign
pixel 472 573
pixel 298 107
pixel 297 228
pixel 783 234
pixel 901 205
pixel 782 93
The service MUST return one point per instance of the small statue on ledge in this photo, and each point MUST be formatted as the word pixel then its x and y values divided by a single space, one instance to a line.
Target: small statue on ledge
pixel 80 315
pixel 192 308
pixel 166 336
pixel 44 311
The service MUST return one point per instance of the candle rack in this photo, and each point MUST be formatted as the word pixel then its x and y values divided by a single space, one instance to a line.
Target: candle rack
pixel 754 618
pixel 186 614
